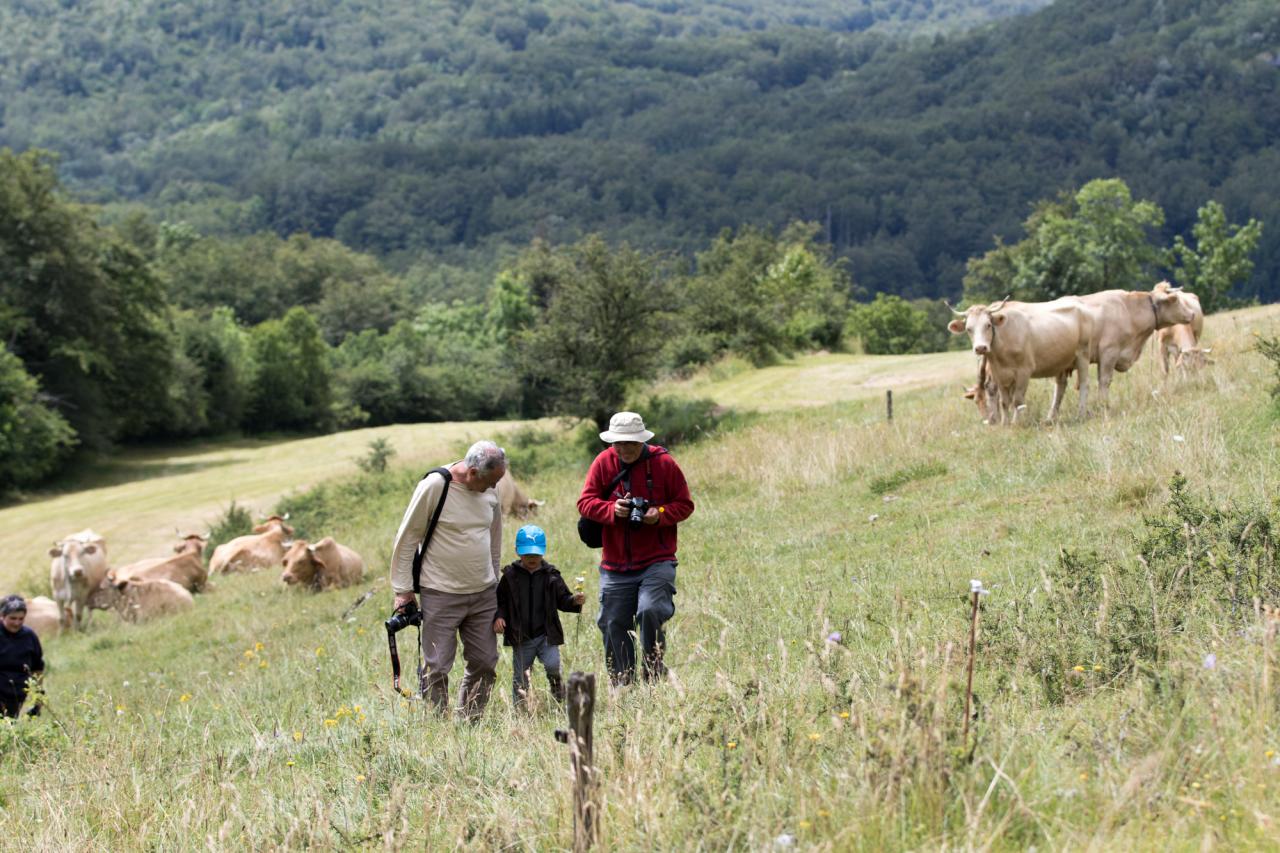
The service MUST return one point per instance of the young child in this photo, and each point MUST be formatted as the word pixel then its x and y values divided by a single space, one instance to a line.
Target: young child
pixel 529 594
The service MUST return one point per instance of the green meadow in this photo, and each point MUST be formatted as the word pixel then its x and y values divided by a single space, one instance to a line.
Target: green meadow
pixel 1125 686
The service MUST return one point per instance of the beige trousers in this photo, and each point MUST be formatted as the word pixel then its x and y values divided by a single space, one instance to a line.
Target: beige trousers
pixel 446 617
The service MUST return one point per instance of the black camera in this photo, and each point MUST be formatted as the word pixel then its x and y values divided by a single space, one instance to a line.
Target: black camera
pixel 406 614
pixel 638 507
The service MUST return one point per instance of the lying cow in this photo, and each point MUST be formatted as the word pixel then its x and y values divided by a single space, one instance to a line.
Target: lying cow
pixel 43 616
pixel 1181 343
pixel 78 568
pixel 324 565
pixel 513 499
pixel 185 567
pixel 1124 320
pixel 140 600
pixel 262 549
pixel 1028 340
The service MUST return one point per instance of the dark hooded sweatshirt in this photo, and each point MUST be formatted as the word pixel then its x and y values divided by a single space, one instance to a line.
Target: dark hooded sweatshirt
pixel 528 601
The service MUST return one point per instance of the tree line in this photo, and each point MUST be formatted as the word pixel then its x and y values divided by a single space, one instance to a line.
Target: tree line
pixel 137 331
pixel 443 137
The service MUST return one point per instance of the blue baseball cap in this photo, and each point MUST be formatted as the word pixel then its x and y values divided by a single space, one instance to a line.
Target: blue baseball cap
pixel 531 539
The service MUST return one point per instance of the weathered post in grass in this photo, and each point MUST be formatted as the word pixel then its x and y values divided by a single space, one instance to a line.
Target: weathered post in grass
pixel 888 405
pixel 975 587
pixel 581 698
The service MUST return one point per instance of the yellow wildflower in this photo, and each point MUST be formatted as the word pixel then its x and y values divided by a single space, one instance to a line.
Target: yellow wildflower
pixel 355 708
pixel 1195 785
pixel 733 744
pixel 249 653
pixel 257 647
pixel 1097 667
pixel 288 764
pixel 814 735
pixel 262 664
pixel 360 778
pixel 804 824
pixel 330 722
pixel 1078 668
pixel 119 710
pixel 823 813
pixel 844 715
pixel 1270 753
pixel 185 697
pixel 1084 777
pixel 297 736
pixel 319 651
pixel 360 632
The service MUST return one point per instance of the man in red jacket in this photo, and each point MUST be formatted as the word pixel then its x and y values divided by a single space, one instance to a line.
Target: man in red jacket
pixel 638 493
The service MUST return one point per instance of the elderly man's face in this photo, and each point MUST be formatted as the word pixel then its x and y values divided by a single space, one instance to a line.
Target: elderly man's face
pixel 481 480
pixel 628 451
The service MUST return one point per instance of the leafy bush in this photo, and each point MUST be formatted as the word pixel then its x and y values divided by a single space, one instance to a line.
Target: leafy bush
pixel 34 439
pixel 1270 350
pixel 1096 619
pixel 375 460
pixel 236 521
pixel 890 325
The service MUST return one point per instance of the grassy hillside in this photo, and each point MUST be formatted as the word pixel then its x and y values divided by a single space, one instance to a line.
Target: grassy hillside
pixel 265 720
pixel 139 498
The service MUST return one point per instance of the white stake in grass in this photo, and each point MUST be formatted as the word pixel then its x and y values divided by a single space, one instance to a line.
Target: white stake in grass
pixel 975 588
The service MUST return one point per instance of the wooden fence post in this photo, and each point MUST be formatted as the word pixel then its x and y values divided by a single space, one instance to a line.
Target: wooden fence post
pixel 975 587
pixel 888 405
pixel 582 702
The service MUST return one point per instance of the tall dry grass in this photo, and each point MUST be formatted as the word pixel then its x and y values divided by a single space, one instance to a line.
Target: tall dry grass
pixel 772 732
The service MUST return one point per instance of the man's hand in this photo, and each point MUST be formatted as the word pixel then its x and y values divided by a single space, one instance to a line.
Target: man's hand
pixel 579 598
pixel 499 625
pixel 403 598
pixel 651 515
pixel 622 506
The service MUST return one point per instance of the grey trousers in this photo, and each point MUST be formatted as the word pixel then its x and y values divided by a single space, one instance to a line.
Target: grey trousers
pixel 446 617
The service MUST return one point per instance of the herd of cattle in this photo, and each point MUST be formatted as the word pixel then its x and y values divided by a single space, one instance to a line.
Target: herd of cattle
pixel 1019 341
pixel 82 581
pixel 1014 341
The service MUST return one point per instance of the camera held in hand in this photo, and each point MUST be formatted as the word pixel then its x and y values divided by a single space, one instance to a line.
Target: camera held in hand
pixel 406 614
pixel 638 507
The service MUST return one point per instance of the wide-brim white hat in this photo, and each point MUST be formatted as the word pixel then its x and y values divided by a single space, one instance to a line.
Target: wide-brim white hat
pixel 626 426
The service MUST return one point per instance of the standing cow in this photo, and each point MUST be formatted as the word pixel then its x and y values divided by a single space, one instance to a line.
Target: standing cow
pixel 324 565
pixel 1124 320
pixel 262 549
pixel 1181 343
pixel 1028 340
pixel 78 568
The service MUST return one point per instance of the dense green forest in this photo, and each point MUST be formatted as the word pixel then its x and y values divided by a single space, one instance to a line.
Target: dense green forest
pixel 442 138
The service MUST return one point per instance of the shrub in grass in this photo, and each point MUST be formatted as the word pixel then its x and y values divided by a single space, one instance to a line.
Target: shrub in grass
pixel 235 521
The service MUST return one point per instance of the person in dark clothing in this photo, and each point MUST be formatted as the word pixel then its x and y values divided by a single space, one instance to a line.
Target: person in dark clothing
pixel 21 658
pixel 530 593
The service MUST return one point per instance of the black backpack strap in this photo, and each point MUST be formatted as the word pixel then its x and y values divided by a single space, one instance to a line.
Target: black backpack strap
pixel 431 527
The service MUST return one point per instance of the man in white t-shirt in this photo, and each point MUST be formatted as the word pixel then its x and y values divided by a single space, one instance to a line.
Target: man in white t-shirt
pixel 459 574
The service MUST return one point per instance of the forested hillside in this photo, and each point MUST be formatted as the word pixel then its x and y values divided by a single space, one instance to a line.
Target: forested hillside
pixel 447 135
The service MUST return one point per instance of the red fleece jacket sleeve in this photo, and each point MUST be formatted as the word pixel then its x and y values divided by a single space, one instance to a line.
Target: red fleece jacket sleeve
pixel 590 504
pixel 680 506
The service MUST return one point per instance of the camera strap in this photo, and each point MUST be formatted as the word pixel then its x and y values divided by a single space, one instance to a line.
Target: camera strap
pixel 421 553
pixel 395 658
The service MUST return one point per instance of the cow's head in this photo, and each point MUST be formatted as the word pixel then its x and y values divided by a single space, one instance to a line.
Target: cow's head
pixel 108 595
pixel 274 523
pixel 1170 305
pixel 192 543
pixel 527 507
pixel 1193 358
pixel 301 564
pixel 984 394
pixel 71 553
pixel 980 321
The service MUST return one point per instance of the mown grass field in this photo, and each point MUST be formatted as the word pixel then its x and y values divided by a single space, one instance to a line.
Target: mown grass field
pixel 264 720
